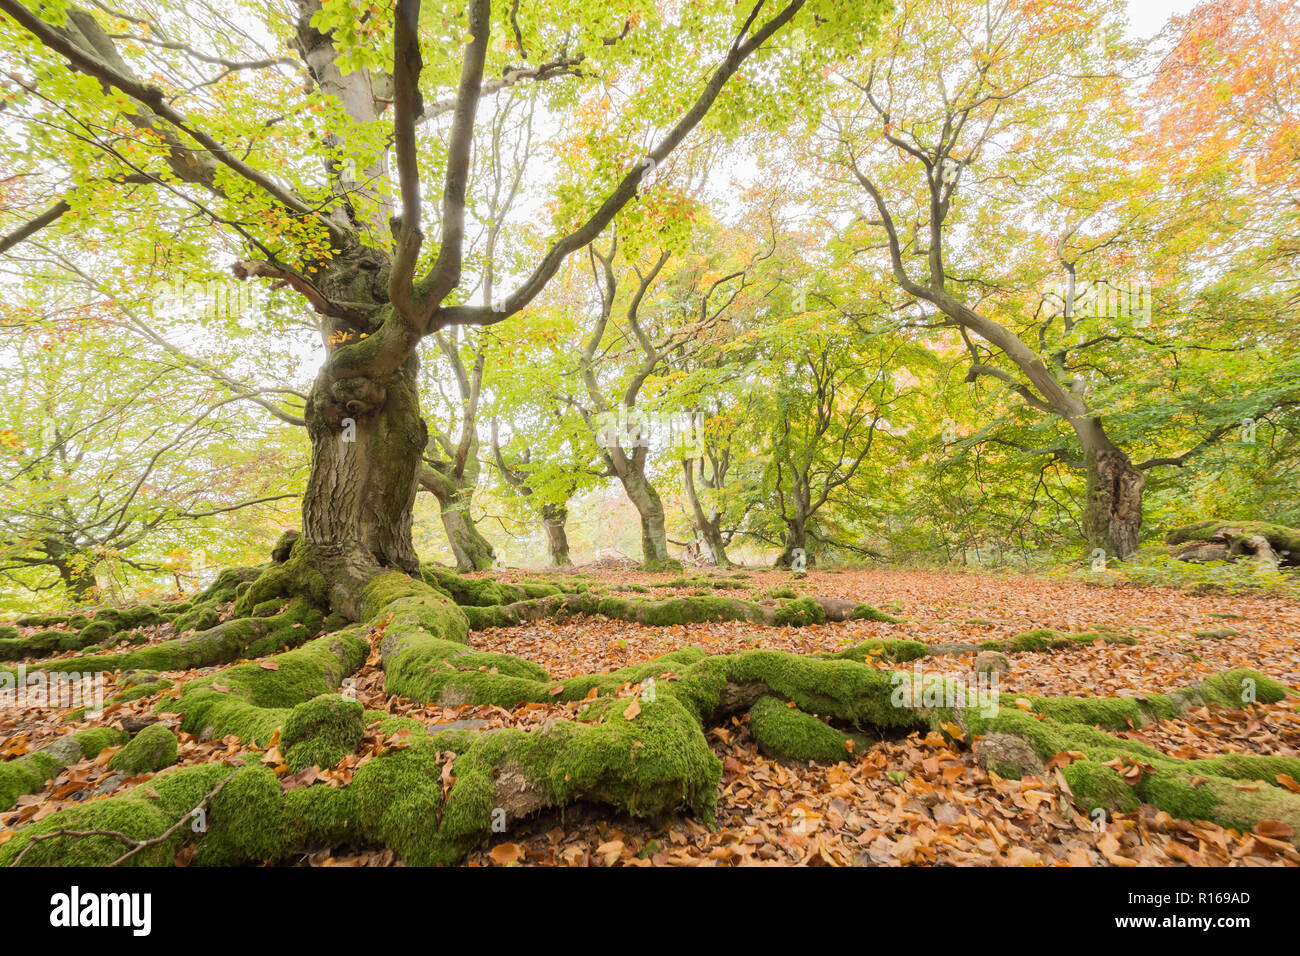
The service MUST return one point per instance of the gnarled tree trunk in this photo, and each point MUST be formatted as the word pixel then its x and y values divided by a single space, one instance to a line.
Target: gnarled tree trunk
pixel 1112 513
pixel 554 518
pixel 364 470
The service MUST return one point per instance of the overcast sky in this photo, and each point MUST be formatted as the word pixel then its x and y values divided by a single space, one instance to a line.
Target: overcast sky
pixel 1146 17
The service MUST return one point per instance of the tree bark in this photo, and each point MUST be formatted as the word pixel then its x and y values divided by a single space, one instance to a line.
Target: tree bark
pixel 654 537
pixel 1112 515
pixel 472 551
pixel 365 464
pixel 708 527
pixel 554 518
pixel 76 570
pixel 796 537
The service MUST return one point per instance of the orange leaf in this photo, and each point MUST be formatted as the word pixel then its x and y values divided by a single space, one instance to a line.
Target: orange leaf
pixel 504 853
pixel 1288 781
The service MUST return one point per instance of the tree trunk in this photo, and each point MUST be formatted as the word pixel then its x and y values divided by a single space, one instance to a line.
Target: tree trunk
pixel 654 537
pixel 707 527
pixel 473 551
pixel 1112 516
pixel 365 467
pixel 796 538
pixel 78 581
pixel 557 540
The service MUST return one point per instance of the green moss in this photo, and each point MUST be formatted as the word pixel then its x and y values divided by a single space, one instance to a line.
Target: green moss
pixel 322 731
pixel 297 579
pixel 247 820
pixel 1096 786
pixel 692 611
pixel 782 591
pixel 1280 537
pixel 481 592
pixel 152 749
pixel 841 689
pixel 788 732
pixel 800 612
pixel 322 816
pixel 42 620
pixel 1039 639
pixel 412 606
pixel 95 739
pixel 865 612
pixel 251 701
pixel 1046 639
pixel 142 813
pixel 388 724
pixel 240 637
pixel 25 774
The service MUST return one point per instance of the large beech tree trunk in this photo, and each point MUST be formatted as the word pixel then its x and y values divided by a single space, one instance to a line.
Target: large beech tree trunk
pixel 365 465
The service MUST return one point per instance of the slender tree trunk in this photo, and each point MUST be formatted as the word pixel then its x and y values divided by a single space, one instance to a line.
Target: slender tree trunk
pixel 708 527
pixel 473 551
pixel 365 468
pixel 554 518
pixel 1112 515
pixel 654 537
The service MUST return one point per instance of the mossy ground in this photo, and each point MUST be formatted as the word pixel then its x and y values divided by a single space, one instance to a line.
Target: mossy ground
pixel 637 739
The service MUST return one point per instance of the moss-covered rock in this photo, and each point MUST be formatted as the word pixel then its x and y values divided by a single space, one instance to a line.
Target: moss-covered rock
pixel 149 751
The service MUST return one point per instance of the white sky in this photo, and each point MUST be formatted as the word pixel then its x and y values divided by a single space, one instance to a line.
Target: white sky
pixel 1146 17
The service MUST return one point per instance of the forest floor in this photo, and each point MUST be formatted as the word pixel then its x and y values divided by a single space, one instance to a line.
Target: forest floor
pixel 906 800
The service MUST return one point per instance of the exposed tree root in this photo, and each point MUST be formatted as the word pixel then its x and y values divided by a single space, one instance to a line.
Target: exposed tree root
pixel 638 743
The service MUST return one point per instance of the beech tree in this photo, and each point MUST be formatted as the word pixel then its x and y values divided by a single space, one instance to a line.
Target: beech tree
pixel 312 204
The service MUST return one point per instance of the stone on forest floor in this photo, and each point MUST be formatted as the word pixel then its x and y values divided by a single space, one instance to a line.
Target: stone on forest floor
pixel 470 724
pixel 991 662
pixel 1008 756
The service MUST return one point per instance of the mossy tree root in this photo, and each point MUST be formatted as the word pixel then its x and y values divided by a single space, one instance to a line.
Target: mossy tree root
pixel 637 744
pixel 279 625
pixel 797 612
